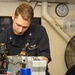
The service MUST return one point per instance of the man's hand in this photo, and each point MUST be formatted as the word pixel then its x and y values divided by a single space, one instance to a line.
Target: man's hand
pixel 43 58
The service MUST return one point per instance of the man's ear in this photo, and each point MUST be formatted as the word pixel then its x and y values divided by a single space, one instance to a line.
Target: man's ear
pixel 13 16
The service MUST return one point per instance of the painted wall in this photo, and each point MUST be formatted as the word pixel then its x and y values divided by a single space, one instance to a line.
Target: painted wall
pixel 57 44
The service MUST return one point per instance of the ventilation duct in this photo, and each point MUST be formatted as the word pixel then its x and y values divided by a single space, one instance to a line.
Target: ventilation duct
pixel 51 1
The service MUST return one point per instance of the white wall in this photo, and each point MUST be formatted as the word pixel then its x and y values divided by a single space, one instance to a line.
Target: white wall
pixel 57 44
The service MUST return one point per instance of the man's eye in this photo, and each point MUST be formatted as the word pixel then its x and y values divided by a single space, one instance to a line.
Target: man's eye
pixel 25 27
pixel 18 25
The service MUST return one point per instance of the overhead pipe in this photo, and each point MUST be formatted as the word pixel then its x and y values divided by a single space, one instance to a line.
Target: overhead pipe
pixel 52 22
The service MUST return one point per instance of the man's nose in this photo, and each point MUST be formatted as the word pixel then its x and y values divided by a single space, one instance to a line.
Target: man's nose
pixel 20 29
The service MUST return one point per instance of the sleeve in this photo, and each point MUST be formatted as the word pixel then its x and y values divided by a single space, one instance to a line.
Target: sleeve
pixel 3 37
pixel 43 46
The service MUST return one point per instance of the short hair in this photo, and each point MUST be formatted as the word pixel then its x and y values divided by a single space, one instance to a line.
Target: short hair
pixel 25 10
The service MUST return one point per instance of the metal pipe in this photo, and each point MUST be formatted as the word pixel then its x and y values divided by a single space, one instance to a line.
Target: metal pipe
pixel 49 19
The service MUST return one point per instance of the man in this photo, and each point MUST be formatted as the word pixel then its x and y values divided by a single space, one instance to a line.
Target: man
pixel 25 35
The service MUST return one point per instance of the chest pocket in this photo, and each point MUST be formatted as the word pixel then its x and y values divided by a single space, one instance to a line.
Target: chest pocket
pixel 32 48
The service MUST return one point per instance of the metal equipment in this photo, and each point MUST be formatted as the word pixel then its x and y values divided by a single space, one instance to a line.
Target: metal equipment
pixel 36 64
pixel 3 58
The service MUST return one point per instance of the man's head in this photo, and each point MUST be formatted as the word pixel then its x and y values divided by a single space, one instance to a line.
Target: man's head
pixel 25 10
pixel 22 18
